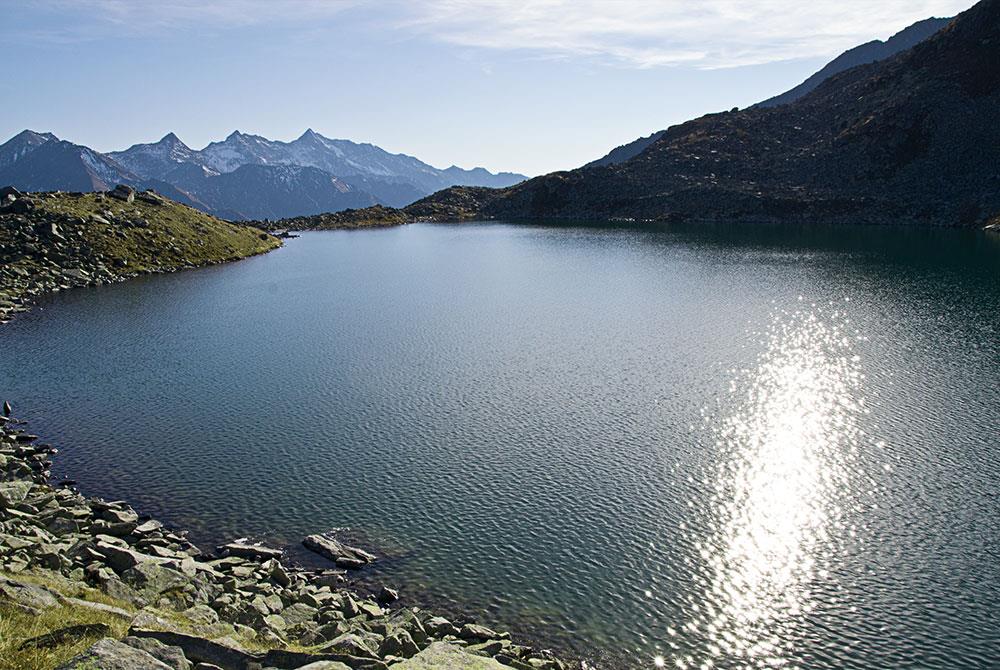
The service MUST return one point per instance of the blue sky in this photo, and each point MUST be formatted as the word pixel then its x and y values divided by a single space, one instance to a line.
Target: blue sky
pixel 530 86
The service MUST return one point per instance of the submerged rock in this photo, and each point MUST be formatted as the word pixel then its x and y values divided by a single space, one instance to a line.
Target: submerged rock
pixel 343 555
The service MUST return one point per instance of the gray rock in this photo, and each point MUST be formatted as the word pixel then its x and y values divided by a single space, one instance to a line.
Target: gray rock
pixel 387 595
pixel 172 657
pixel 12 493
pixel 477 633
pixel 299 614
pixel 440 627
pixel 251 551
pixel 123 192
pixel 398 643
pixel 343 555
pixel 443 656
pixel 220 652
pixel 29 597
pixel 108 654
pixel 99 608
pixel 351 644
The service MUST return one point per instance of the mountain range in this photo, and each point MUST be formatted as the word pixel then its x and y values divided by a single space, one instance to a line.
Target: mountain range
pixel 870 52
pixel 909 139
pixel 242 177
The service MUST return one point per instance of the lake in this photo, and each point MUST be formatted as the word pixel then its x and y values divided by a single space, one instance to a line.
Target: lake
pixel 713 446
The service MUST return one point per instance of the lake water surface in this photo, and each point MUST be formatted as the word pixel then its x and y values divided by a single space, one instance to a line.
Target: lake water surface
pixel 691 447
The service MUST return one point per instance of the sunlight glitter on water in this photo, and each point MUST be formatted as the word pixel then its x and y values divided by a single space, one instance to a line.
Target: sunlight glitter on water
pixel 786 453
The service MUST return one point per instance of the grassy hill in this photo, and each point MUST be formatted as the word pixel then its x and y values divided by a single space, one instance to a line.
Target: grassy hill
pixel 52 241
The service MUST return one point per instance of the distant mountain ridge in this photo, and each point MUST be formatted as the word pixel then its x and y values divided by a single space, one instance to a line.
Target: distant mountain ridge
pixel 871 52
pixel 243 176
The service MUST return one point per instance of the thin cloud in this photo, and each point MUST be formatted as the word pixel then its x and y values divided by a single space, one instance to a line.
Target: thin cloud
pixel 653 33
pixel 156 16
pixel 705 34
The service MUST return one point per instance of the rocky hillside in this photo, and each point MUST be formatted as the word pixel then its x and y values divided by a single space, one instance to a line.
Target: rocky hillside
pixel 87 584
pixel 53 241
pixel 871 52
pixel 911 139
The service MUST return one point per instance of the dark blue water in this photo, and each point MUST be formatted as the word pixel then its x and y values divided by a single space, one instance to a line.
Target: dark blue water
pixel 741 447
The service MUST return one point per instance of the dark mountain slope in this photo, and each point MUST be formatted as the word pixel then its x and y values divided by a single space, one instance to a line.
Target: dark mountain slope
pixel 626 151
pixel 911 139
pixel 871 52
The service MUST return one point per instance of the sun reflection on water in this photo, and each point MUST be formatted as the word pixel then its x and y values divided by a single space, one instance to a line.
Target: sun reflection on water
pixel 785 450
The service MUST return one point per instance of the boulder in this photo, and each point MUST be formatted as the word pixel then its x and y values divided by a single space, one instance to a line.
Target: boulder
pixel 255 552
pixel 288 660
pixel 220 652
pixel 151 197
pixel 351 644
pixel 398 643
pixel 443 656
pixel 123 192
pixel 12 493
pixel 387 595
pixel 439 627
pixel 108 654
pixel 28 597
pixel 22 205
pixel 99 608
pixel 476 633
pixel 170 656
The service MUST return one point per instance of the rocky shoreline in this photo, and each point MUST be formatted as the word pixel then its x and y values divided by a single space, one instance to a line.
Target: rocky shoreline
pixel 87 583
pixel 236 608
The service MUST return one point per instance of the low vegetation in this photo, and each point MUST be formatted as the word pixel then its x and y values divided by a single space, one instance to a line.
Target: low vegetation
pixel 19 625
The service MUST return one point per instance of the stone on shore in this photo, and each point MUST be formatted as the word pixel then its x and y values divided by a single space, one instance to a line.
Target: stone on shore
pixel 255 552
pixel 444 656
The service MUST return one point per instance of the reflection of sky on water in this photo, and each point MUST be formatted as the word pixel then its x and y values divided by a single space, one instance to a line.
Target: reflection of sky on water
pixel 786 447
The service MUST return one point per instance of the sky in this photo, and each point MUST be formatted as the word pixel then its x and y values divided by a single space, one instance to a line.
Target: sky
pixel 531 86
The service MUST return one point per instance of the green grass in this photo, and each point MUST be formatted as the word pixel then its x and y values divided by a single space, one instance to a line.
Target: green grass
pixel 176 235
pixel 17 626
